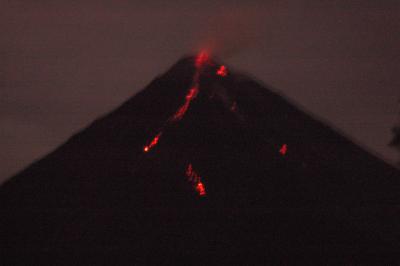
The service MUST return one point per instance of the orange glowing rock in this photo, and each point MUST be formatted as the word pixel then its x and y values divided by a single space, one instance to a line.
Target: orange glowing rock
pixel 283 149
pixel 222 71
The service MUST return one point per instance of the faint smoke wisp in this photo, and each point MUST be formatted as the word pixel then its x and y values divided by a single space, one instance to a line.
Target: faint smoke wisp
pixel 229 32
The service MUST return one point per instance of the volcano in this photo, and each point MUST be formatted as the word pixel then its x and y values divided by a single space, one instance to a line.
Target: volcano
pixel 205 165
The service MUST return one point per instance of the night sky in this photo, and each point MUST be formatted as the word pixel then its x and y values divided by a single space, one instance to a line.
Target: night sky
pixel 65 63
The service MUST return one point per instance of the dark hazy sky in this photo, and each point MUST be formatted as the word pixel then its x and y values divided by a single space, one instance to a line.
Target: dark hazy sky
pixel 64 63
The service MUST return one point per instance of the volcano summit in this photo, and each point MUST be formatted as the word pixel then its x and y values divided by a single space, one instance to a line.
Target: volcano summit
pixel 204 165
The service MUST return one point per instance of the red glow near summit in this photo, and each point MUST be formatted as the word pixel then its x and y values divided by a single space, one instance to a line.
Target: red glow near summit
pixel 201 59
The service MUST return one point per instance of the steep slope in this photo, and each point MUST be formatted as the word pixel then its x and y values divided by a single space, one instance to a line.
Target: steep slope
pixel 204 164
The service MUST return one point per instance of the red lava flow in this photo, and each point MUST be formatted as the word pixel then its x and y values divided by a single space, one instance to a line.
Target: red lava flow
pixel 201 59
pixel 195 180
pixel 153 142
pixel 192 93
pixel 283 149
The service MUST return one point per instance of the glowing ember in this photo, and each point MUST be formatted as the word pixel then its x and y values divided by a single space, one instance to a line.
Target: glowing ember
pixel 153 142
pixel 222 71
pixel 195 180
pixel 201 58
pixel 283 149
pixel 189 97
pixel 200 189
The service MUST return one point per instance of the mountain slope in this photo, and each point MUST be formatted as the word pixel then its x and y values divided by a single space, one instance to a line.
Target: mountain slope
pixel 204 164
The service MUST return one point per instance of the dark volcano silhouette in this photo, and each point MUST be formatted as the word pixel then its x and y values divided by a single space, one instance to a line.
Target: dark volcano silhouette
pixel 278 184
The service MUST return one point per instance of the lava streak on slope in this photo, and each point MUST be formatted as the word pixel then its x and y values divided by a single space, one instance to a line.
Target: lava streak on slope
pixel 195 180
pixel 153 142
pixel 200 60
pixel 192 93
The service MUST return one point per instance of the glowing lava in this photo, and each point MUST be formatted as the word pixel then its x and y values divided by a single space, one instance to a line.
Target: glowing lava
pixel 201 59
pixel 153 142
pixel 222 71
pixel 283 149
pixel 195 180
pixel 192 93
pixel 192 176
pixel 200 189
